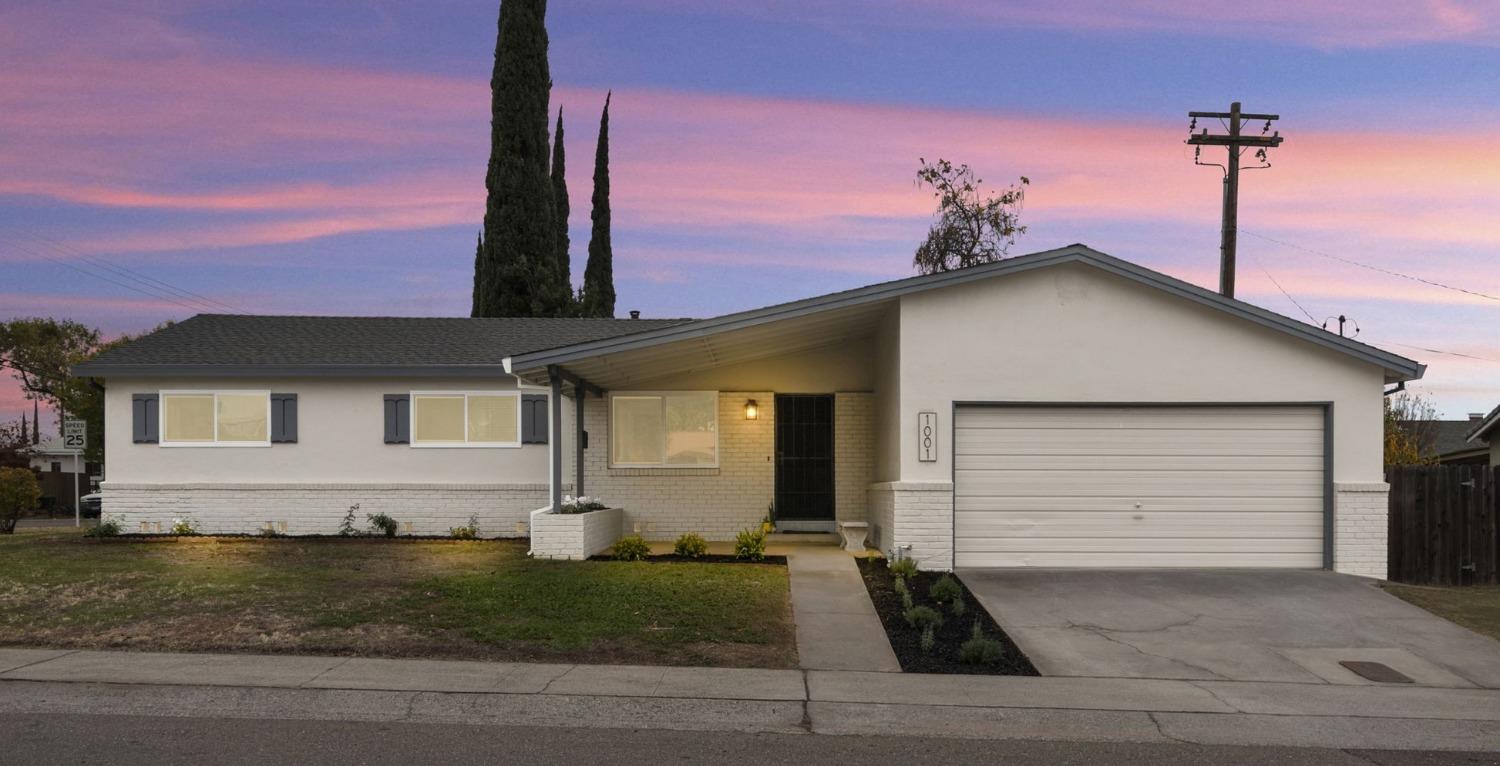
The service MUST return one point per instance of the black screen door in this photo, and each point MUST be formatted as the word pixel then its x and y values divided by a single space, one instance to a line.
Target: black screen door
pixel 804 458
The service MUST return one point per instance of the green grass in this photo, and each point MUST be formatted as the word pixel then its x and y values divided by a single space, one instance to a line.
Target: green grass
pixel 480 600
pixel 1476 607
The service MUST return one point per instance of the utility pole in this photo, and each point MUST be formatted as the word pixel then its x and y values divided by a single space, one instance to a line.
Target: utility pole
pixel 1234 142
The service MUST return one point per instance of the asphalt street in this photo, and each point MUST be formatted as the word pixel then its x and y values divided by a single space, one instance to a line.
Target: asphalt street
pixel 126 740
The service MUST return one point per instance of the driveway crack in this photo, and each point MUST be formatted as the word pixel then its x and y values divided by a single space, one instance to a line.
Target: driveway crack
pixel 1108 635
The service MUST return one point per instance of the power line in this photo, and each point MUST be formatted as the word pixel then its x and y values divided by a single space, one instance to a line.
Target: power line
pixel 146 280
pixel 1234 142
pixel 150 294
pixel 1379 269
pixel 1288 295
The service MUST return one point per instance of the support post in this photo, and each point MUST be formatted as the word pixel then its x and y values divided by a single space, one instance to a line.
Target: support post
pixel 578 397
pixel 1234 142
pixel 555 438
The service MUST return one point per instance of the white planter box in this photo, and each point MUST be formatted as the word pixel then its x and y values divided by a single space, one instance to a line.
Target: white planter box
pixel 574 536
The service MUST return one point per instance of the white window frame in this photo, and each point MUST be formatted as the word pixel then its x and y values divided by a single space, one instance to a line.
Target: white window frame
pixel 465 444
pixel 161 416
pixel 663 465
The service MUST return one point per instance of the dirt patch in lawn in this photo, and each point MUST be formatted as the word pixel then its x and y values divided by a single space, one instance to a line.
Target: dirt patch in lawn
pixel 388 598
pixel 944 656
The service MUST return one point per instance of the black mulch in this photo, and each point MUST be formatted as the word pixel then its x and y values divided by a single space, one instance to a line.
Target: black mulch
pixel 707 558
pixel 906 640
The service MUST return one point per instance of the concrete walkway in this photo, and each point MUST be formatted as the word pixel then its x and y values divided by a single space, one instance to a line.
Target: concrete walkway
pixel 837 628
pixel 42 681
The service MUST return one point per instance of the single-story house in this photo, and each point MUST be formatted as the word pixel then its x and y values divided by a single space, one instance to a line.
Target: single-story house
pixel 1486 430
pixel 1452 442
pixel 1059 409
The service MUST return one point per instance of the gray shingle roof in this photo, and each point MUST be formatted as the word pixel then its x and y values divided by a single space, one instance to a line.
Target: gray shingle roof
pixel 238 344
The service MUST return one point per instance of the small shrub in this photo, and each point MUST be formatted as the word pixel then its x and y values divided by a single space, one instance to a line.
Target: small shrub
pixel 581 504
pixel 900 586
pixel 108 526
pixel 467 532
pixel 346 527
pixel 632 548
pixel 904 568
pixel 19 492
pixel 383 524
pixel 923 617
pixel 692 545
pixel 184 526
pixel 929 639
pixel 981 649
pixel 958 607
pixel 906 600
pixel 750 544
pixel 270 531
pixel 945 589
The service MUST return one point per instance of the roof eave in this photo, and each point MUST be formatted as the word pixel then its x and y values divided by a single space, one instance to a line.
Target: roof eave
pixel 1482 431
pixel 288 370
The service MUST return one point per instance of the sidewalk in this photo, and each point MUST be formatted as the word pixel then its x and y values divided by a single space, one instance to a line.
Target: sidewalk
pixel 837 627
pixel 730 699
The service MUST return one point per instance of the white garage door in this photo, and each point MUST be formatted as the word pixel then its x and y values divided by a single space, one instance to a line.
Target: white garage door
pixel 1138 487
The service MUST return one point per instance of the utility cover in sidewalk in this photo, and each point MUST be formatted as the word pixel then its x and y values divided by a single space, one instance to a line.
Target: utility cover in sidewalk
pixel 1378 672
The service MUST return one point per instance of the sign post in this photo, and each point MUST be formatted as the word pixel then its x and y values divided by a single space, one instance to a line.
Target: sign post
pixel 75 437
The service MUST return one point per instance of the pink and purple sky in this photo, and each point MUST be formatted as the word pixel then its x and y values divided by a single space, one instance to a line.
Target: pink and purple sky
pixel 328 158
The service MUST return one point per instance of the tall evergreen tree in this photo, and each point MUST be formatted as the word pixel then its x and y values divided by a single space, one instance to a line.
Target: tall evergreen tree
pixel 599 274
pixel 479 265
pixel 560 209
pixel 517 275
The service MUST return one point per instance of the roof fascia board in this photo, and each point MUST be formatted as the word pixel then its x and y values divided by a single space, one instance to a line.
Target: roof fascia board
pixel 1485 426
pixel 287 370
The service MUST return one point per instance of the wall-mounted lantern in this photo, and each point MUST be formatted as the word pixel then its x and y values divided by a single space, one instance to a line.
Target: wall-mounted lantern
pixel 752 410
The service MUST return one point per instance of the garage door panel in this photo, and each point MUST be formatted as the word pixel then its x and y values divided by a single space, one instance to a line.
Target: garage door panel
pixel 1142 483
pixel 1139 486
pixel 1124 524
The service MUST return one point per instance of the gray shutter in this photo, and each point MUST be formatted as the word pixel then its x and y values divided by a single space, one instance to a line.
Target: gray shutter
pixel 284 418
pixel 397 418
pixel 533 419
pixel 144 418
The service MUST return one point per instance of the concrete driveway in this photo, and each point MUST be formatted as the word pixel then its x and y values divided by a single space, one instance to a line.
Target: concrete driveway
pixel 1242 625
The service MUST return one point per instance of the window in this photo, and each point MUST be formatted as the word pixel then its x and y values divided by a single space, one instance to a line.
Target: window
pixel 678 429
pixel 466 420
pixel 216 418
pixel 57 466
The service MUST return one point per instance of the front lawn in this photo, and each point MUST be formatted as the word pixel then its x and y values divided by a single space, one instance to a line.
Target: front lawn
pixel 387 598
pixel 1476 607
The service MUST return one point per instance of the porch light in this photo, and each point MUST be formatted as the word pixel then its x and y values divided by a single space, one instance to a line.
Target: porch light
pixel 752 410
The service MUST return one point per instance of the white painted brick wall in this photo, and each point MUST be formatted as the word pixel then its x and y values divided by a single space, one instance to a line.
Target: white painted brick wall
pixel 882 517
pixel 920 522
pixel 574 536
pixel 714 502
pixel 307 509
pixel 854 454
pixel 1359 528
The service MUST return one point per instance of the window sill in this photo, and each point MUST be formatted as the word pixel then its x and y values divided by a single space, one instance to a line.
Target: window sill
pixel 664 471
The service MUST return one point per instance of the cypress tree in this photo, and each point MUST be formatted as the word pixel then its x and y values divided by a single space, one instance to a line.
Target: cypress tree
pixel 598 275
pixel 517 275
pixel 560 210
pixel 479 265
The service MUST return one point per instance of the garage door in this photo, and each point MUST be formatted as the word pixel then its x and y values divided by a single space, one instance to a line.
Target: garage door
pixel 1138 487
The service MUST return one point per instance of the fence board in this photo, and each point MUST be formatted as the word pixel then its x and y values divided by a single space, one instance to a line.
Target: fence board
pixel 1444 524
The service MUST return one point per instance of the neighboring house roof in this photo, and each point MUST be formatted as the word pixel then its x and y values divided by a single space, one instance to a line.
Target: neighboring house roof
pixel 1444 438
pixel 1397 368
pixel 52 446
pixel 229 344
pixel 1485 430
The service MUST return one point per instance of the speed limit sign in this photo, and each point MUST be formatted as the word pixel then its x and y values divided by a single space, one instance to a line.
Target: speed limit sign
pixel 75 434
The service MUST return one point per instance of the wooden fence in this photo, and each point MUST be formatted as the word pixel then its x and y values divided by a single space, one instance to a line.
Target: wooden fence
pixel 1443 524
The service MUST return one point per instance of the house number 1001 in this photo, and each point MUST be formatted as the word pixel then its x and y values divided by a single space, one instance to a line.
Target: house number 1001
pixel 927 437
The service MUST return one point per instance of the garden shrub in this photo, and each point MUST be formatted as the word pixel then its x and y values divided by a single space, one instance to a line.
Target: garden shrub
pixel 692 545
pixel 750 544
pixel 945 589
pixel 270 531
pixel 346 527
pixel 469 531
pixel 958 607
pixel 923 617
pixel 108 526
pixel 184 526
pixel 981 649
pixel 19 491
pixel 929 639
pixel 632 548
pixel 904 568
pixel 383 524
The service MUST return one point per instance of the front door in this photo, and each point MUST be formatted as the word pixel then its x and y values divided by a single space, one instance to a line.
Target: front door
pixel 804 462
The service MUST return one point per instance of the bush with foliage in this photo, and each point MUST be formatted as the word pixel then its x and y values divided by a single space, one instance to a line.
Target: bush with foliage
pixel 904 568
pixel 383 524
pixel 581 504
pixel 270 531
pixel 923 617
pixel 904 591
pixel 632 548
pixel 184 526
pixel 929 639
pixel 690 545
pixel 19 492
pixel 981 649
pixel 108 526
pixel 346 527
pixel 750 544
pixel 945 589
pixel 469 531
pixel 958 607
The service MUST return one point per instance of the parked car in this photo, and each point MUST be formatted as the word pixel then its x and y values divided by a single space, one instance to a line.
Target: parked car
pixel 90 506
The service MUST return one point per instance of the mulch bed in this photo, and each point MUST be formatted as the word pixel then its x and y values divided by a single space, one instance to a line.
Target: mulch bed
pixel 906 640
pixel 707 558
